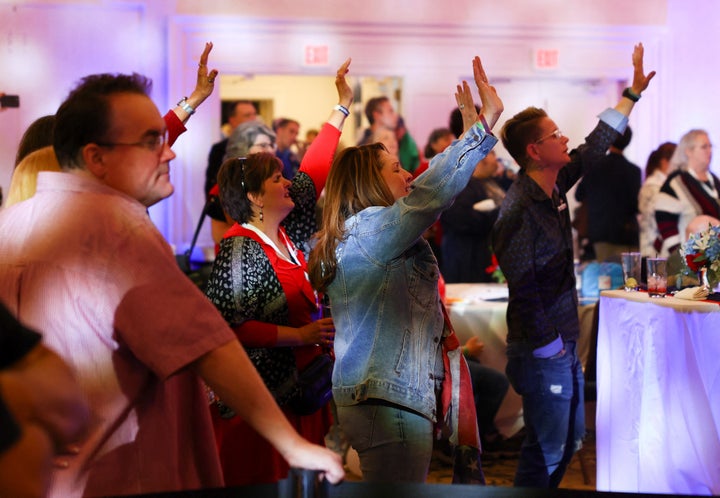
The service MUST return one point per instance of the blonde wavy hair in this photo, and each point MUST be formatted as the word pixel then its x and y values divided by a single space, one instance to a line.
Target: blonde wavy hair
pixel 24 178
pixel 354 183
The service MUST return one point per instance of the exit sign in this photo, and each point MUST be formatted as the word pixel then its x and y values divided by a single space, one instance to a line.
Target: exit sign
pixel 547 58
pixel 316 55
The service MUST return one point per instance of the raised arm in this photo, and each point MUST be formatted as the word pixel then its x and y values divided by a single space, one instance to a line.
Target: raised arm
pixel 345 96
pixel 491 105
pixel 639 84
pixel 319 156
pixel 204 86
pixel 176 118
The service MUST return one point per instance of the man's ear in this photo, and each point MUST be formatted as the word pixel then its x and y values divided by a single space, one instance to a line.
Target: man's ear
pixel 93 157
pixel 532 152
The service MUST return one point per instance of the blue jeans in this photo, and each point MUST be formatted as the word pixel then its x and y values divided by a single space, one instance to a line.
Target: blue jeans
pixel 553 410
pixel 394 444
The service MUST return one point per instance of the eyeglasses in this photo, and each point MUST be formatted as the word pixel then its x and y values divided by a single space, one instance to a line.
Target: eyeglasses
pixel 153 143
pixel 266 146
pixel 557 134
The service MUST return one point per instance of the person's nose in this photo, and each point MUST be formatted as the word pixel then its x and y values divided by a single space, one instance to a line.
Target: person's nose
pixel 167 154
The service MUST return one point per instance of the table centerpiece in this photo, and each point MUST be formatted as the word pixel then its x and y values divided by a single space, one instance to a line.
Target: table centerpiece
pixel 701 254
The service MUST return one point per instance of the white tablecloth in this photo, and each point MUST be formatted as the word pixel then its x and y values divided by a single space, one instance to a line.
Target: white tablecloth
pixel 478 309
pixel 658 405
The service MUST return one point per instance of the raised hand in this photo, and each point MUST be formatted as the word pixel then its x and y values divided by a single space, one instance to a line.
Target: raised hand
pixel 205 80
pixel 492 106
pixel 463 97
pixel 640 80
pixel 345 93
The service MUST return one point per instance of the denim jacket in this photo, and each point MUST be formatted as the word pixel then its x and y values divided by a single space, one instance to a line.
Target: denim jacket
pixel 385 301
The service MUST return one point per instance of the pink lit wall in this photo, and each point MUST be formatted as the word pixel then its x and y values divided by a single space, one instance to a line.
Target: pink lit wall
pixel 46 46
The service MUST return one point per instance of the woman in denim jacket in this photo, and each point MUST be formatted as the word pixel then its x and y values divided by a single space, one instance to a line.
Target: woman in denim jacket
pixel 382 280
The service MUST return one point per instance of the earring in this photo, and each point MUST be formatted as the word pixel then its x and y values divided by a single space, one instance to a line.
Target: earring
pixel 261 214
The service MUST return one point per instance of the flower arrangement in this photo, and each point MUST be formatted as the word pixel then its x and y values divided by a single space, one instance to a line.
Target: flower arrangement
pixel 494 271
pixel 702 251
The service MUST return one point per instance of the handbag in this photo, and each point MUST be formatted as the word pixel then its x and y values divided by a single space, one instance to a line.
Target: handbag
pixel 314 385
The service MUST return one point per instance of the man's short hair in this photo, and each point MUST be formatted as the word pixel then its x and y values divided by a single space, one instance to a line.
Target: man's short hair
pixel 282 123
pixel 520 131
pixel 372 106
pixel 84 116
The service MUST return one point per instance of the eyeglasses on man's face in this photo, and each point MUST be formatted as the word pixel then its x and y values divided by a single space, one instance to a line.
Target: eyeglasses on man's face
pixel 154 142
pixel 557 134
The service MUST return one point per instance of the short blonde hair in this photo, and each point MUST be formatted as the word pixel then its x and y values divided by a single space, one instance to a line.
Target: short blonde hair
pixel 24 179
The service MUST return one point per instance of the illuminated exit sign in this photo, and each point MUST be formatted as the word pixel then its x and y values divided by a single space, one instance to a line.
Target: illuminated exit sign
pixel 547 59
pixel 316 55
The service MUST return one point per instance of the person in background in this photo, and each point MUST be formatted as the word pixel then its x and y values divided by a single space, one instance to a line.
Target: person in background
pixel 286 132
pixel 243 111
pixel 438 141
pixel 489 389
pixel 310 135
pixel 456 122
pixel 42 410
pixel 466 226
pixel 533 241
pixel 407 148
pixel 381 114
pixel 690 190
pixel 388 139
pixel 504 175
pixel 610 191
pixel 259 283
pixel 248 138
pixel 24 178
pixel 656 172
pixel 38 135
pixel 137 332
pixel 397 360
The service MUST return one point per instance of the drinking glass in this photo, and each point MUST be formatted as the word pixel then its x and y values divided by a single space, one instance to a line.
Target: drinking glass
pixel 657 277
pixel 631 270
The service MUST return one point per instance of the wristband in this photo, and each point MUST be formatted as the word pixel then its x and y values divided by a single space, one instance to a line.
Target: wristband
pixel 630 95
pixel 186 107
pixel 342 109
pixel 484 123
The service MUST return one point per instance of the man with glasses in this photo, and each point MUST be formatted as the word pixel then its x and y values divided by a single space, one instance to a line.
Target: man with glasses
pixel 532 239
pixel 82 263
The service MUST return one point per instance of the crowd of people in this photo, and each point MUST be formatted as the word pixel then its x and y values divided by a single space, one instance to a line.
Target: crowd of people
pixel 125 378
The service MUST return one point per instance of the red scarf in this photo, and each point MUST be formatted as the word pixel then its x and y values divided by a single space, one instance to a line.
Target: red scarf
pixel 458 411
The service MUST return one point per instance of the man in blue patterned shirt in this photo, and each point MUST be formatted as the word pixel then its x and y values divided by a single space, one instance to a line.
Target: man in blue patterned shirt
pixel 532 239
